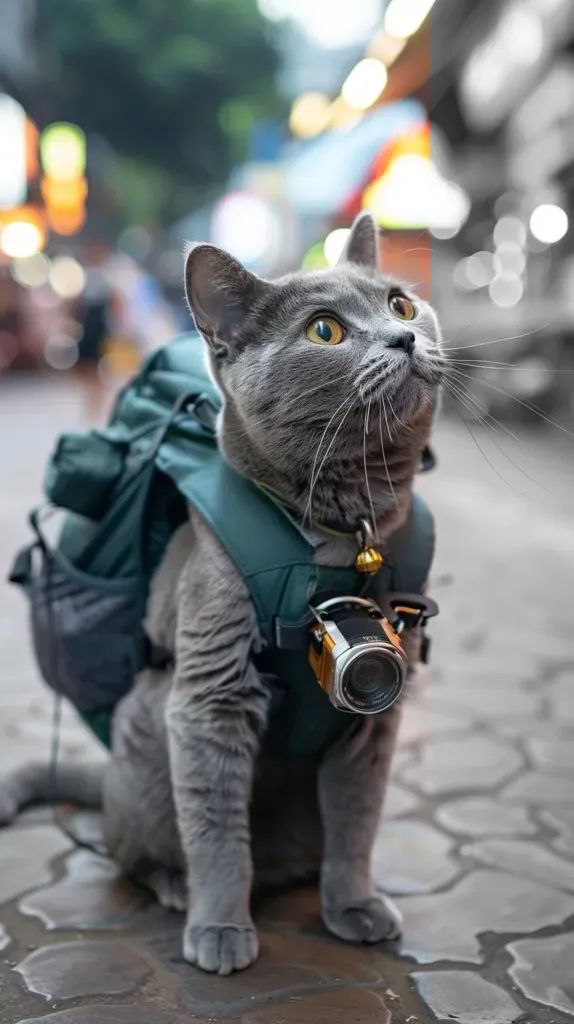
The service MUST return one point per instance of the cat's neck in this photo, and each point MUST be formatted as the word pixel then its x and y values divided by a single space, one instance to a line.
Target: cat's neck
pixel 365 476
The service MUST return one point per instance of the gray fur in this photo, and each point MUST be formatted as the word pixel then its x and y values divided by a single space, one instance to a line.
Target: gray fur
pixel 191 805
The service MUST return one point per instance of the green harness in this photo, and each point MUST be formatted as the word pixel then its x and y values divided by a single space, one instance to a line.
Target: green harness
pixel 126 489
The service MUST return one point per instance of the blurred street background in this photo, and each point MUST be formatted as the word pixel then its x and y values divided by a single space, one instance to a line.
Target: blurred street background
pixel 129 128
pixel 264 127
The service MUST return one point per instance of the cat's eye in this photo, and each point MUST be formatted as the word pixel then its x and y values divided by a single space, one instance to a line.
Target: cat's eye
pixel 401 307
pixel 325 330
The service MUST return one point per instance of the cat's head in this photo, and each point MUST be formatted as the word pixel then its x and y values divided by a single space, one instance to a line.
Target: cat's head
pixel 293 355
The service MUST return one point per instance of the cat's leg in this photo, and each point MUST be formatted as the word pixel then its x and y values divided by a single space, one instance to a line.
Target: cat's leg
pixel 216 715
pixel 140 827
pixel 352 781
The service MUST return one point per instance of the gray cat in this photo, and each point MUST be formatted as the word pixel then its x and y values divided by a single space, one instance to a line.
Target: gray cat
pixel 329 381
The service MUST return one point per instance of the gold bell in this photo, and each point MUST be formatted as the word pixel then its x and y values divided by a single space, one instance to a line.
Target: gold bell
pixel 369 560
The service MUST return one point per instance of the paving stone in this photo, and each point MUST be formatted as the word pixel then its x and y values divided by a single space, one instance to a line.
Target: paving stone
pixel 475 762
pixel 479 816
pixel 526 859
pixel 421 721
pixel 447 925
pixel 561 819
pixel 344 1006
pixel 25 856
pixel 507 701
pixel 143 1013
pixel 465 997
pixel 93 895
pixel 289 965
pixel 68 970
pixel 412 857
pixel 543 970
pixel 553 755
pixel 539 788
pixel 399 800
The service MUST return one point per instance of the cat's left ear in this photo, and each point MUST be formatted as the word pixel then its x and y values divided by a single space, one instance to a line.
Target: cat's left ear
pixel 362 246
pixel 219 291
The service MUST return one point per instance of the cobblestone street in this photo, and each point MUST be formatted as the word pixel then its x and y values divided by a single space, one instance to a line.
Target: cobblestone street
pixel 477 842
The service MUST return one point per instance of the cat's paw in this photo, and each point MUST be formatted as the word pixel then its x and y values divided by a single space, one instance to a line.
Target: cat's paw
pixel 220 948
pixel 375 919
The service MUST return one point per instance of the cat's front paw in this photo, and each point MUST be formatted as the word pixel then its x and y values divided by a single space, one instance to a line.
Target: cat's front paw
pixel 220 948
pixel 375 919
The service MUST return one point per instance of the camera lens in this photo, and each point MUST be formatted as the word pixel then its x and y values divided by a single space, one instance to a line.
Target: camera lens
pixel 372 682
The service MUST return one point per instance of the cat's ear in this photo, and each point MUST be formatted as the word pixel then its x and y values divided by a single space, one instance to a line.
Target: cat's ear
pixel 362 245
pixel 219 291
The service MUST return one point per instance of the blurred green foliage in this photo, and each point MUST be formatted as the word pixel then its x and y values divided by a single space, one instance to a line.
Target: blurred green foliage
pixel 173 86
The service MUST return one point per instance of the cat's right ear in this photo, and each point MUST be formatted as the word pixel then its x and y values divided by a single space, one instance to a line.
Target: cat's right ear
pixel 219 292
pixel 362 246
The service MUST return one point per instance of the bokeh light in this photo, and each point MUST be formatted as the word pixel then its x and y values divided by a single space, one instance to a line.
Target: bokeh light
pixel 67 277
pixel 334 245
pixel 549 223
pixel 310 114
pixel 21 239
pixel 246 226
pixel 364 84
pixel 509 229
pixel 32 271
pixel 506 290
pixel 61 352
pixel 404 17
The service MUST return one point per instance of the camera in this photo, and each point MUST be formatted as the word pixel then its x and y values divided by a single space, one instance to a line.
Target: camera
pixel 356 653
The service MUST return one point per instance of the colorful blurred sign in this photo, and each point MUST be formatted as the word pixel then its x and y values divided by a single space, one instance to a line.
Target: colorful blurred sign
pixel 320 180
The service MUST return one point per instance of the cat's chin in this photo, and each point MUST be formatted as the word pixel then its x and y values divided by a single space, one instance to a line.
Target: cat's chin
pixel 414 395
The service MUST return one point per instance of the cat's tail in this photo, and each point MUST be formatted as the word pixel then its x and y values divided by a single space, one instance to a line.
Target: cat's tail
pixel 38 784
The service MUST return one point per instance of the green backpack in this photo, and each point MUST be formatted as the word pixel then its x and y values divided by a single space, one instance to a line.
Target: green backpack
pixel 125 490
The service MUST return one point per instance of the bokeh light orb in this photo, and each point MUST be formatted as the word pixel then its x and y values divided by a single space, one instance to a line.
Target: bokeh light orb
pixel 549 223
pixel 67 277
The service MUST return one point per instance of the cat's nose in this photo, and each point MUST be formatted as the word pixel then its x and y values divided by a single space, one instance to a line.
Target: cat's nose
pixel 404 340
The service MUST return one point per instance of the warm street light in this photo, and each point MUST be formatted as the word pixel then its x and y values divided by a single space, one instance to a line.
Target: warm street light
pixel 364 84
pixel 404 17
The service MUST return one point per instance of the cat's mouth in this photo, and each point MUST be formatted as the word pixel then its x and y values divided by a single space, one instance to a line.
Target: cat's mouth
pixel 400 377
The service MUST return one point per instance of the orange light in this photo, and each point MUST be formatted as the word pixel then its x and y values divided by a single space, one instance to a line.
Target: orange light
pixel 31 142
pixel 64 194
pixel 22 232
pixel 66 221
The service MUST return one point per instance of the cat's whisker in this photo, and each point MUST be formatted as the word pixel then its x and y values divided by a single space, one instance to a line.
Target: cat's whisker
pixel 487 364
pixel 404 426
pixel 315 474
pixel 470 431
pixel 497 341
pixel 484 412
pixel 369 496
pixel 470 403
pixel 520 401
pixel 391 488
pixel 389 432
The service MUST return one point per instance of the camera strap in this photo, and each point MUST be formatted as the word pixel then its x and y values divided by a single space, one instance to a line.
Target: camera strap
pixel 405 611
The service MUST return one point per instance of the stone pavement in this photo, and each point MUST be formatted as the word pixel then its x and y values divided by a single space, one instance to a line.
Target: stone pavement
pixel 477 843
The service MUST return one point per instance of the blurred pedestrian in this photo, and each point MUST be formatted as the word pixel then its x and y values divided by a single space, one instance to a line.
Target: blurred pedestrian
pixel 97 309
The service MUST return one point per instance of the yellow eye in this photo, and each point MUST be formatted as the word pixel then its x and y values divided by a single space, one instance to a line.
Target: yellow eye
pixel 325 330
pixel 402 307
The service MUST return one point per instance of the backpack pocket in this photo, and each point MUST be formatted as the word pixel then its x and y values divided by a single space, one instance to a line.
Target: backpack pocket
pixel 82 472
pixel 86 631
